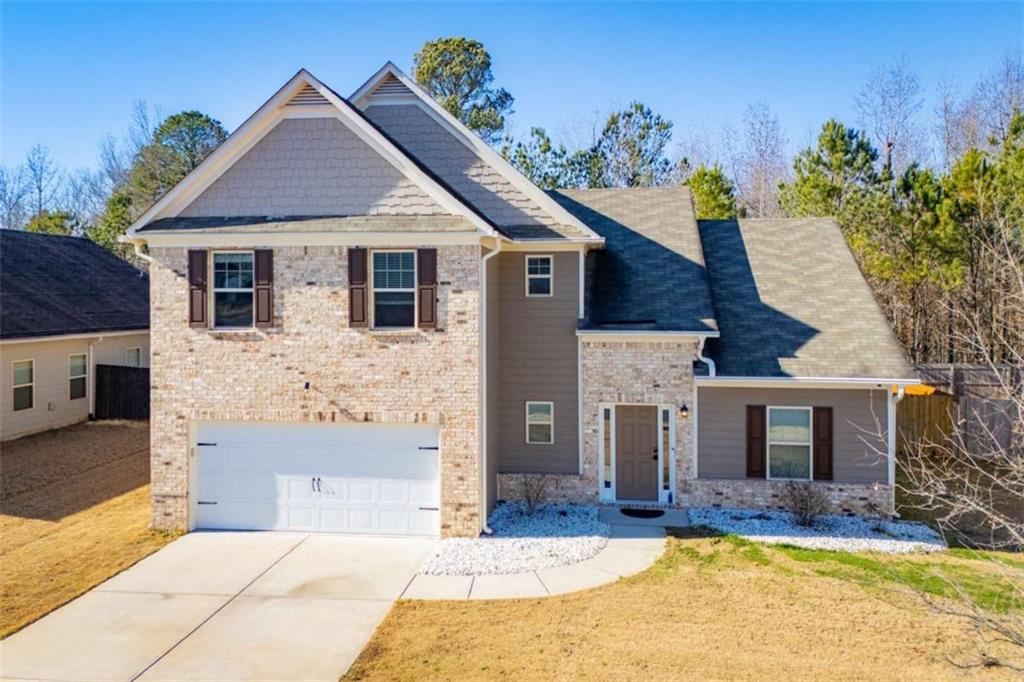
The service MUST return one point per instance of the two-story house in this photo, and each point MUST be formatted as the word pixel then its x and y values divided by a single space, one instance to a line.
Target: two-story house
pixel 365 320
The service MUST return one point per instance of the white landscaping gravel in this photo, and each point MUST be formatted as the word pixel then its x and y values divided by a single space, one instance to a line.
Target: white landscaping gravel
pixel 556 535
pixel 842 533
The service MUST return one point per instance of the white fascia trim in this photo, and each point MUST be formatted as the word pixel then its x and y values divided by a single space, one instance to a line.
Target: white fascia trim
pixel 803 382
pixel 640 336
pixel 549 245
pixel 70 337
pixel 264 120
pixel 471 140
pixel 185 239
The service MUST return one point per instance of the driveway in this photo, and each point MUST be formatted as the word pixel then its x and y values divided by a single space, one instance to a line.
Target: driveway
pixel 224 606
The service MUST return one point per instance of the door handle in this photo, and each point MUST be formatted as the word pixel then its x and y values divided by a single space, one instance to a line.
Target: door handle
pixel 654 457
pixel 312 484
pixel 318 481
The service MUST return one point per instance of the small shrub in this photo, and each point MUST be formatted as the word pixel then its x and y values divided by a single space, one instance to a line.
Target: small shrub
pixel 534 491
pixel 805 501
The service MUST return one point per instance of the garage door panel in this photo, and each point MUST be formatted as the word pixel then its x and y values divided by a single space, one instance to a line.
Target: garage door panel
pixel 365 478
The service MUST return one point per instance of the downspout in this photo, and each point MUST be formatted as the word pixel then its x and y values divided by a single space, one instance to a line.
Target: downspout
pixel 483 388
pixel 891 438
pixel 137 245
pixel 700 356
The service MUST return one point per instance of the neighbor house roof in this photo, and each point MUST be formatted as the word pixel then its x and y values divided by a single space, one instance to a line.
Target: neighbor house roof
pixel 53 286
pixel 790 301
pixel 651 274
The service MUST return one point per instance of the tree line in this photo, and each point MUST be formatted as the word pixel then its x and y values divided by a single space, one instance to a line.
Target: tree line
pixel 929 210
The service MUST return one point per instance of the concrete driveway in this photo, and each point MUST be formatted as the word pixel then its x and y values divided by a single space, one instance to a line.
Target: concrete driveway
pixel 224 606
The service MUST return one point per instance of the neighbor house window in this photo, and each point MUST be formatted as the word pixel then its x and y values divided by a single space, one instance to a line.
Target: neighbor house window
pixel 23 381
pixel 232 289
pixel 789 442
pixel 538 275
pixel 77 372
pixel 394 289
pixel 133 356
pixel 540 420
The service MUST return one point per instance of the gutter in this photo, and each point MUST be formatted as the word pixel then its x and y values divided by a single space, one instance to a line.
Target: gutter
pixel 706 360
pixel 483 387
pixel 890 433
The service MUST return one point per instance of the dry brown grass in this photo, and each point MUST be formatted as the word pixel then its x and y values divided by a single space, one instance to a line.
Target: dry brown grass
pixel 74 510
pixel 710 609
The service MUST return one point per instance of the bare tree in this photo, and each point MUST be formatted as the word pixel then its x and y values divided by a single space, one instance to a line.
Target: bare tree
pixel 1000 93
pixel 958 125
pixel 84 195
pixel 761 163
pixel 972 481
pixel 118 155
pixel 889 104
pixel 43 178
pixel 13 195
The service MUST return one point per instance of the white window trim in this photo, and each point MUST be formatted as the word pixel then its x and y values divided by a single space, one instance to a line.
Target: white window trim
pixel 32 384
pixel 769 442
pixel 84 375
pixel 129 349
pixel 550 276
pixel 551 405
pixel 214 290
pixel 373 290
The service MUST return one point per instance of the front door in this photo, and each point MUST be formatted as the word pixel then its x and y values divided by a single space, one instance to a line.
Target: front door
pixel 636 452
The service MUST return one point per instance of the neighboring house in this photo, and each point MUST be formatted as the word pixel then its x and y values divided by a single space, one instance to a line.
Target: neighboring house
pixel 66 305
pixel 365 320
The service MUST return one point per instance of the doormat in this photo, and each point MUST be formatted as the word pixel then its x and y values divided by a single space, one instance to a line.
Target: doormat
pixel 643 513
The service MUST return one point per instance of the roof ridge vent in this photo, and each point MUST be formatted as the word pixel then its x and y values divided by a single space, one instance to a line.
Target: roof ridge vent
pixel 306 96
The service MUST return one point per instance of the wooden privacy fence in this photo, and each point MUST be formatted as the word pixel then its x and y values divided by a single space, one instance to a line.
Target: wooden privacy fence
pixel 973 397
pixel 122 392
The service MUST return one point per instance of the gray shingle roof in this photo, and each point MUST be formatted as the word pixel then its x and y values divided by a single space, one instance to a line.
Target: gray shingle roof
pixel 270 224
pixel 650 275
pixel 51 286
pixel 790 300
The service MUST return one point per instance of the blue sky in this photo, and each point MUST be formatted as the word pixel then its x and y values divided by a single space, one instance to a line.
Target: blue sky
pixel 70 72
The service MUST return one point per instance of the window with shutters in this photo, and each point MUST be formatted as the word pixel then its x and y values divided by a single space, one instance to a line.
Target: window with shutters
pixel 78 370
pixel 540 423
pixel 789 442
pixel 538 276
pixel 232 289
pixel 23 383
pixel 394 289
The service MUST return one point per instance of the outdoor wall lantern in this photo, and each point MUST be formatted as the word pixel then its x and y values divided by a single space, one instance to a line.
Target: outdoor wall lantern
pixel 684 410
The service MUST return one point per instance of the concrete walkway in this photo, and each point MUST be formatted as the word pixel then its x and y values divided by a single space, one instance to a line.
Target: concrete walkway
pixel 224 606
pixel 631 549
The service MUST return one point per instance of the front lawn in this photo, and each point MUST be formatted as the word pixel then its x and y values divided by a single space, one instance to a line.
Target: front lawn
pixel 711 608
pixel 74 510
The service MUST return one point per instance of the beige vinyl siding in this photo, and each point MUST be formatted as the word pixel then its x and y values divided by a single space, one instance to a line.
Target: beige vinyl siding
pixel 52 406
pixel 538 362
pixel 858 416
pixel 493 377
pixel 312 166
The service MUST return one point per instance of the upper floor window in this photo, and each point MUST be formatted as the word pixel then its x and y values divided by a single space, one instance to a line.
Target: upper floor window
pixel 789 442
pixel 77 375
pixel 538 276
pixel 23 383
pixel 133 356
pixel 540 422
pixel 394 289
pixel 232 289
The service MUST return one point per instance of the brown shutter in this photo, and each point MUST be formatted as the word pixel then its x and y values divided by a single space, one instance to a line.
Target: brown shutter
pixel 823 443
pixel 264 288
pixel 197 307
pixel 757 437
pixel 357 313
pixel 426 287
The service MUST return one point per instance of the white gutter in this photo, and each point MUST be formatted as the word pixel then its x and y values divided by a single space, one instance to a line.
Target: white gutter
pixel 483 387
pixel 69 337
pixel 803 382
pixel 137 245
pixel 90 382
pixel 642 335
pixel 891 437
pixel 700 356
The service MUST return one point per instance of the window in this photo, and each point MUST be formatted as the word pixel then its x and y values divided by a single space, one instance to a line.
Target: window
pixel 540 423
pixel 394 289
pixel 133 356
pixel 77 373
pixel 607 447
pixel 538 275
pixel 789 442
pixel 22 379
pixel 232 289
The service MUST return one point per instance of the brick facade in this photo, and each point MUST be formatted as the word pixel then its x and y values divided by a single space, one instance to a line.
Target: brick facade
pixel 353 375
pixel 845 498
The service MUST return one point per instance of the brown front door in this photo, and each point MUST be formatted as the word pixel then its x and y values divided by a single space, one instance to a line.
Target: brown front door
pixel 636 452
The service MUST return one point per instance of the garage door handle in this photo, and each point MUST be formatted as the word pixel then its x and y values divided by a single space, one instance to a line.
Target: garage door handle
pixel 428 447
pixel 430 509
pixel 204 502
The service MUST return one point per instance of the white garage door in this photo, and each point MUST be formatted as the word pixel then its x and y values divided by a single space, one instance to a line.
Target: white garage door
pixel 353 478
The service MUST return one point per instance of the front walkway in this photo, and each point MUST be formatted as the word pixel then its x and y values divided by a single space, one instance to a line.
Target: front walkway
pixel 224 606
pixel 633 547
